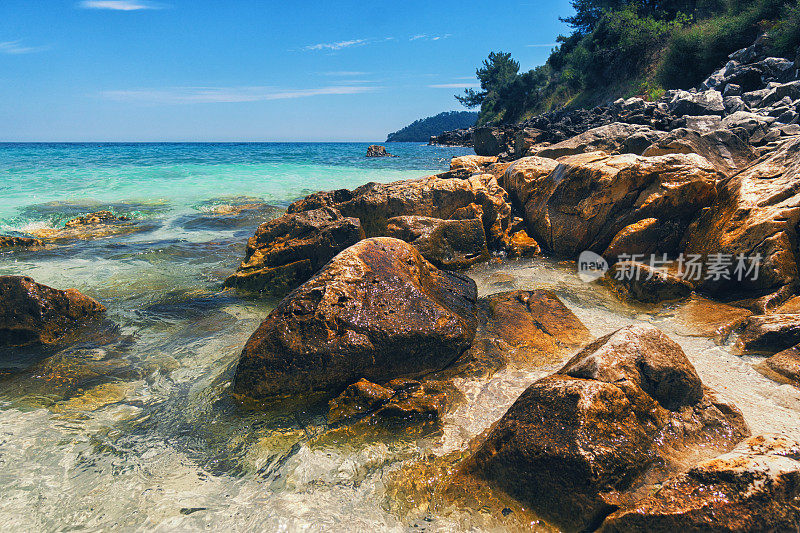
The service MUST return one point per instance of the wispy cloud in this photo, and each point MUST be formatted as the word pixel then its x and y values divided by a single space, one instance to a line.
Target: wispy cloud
pixel 16 48
pixel 337 45
pixel 543 45
pixel 427 37
pixel 210 95
pixel 455 85
pixel 345 73
pixel 119 5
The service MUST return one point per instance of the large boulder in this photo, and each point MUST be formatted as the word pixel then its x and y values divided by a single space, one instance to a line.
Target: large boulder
pixel 378 310
pixel 32 313
pixel 756 213
pixel 727 152
pixel 579 443
pixel 473 163
pixel 287 251
pixel 491 141
pixel 612 138
pixel 528 329
pixel 435 197
pixel 699 103
pixel 755 487
pixel 582 202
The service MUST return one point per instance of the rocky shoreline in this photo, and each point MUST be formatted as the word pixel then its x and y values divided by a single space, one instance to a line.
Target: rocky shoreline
pixel 696 196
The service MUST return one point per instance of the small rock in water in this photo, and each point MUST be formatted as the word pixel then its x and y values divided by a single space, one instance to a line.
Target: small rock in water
pixel 18 242
pixel 376 150
pixel 100 217
pixel 769 334
pixel 31 313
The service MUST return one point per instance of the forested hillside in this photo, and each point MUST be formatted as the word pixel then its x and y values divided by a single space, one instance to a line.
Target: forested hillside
pixel 421 130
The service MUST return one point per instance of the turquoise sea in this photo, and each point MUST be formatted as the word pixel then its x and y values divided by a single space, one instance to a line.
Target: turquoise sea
pixel 132 429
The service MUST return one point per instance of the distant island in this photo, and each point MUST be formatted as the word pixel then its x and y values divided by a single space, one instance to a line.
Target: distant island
pixel 423 129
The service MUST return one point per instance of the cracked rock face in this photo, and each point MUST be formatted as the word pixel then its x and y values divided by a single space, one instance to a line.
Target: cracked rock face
pixel 582 202
pixel 378 311
pixel 597 434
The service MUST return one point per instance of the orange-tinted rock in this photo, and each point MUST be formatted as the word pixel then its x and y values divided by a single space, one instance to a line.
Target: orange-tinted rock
pixel 448 244
pixel 31 313
pixel 642 238
pixel 473 163
pixel 787 364
pixel 769 333
pixel 378 311
pixel 755 487
pixel 579 443
pixel 287 251
pixel 519 244
pixel 18 242
pixel 790 306
pixel 647 284
pixel 727 152
pixel 583 201
pixel 614 138
pixel 435 197
pixel 100 217
pixel 525 328
pixel 756 213
pixel 359 399
pixel 701 317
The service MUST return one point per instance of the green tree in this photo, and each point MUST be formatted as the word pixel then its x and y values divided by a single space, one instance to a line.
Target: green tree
pixel 497 71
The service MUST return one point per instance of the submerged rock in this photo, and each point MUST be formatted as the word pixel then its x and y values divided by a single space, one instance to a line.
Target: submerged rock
pixel 756 214
pixel 378 311
pixel 647 284
pixel 18 242
pixel 32 313
pixel 755 487
pixel 584 201
pixel 401 401
pixel 286 251
pixel 95 225
pixel 92 219
pixel 700 317
pixel 376 150
pixel 578 444
pixel 525 328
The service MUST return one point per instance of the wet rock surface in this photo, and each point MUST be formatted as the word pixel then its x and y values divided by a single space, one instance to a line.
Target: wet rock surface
pixel 707 318
pixel 32 313
pixel 285 252
pixel 376 150
pixel 449 244
pixel 755 487
pixel 400 401
pixel 786 364
pixel 769 334
pixel 580 443
pixel 377 311
pixel 18 242
pixel 647 284
pixel 528 329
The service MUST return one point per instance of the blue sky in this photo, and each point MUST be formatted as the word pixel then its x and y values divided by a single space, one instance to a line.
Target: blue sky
pixel 196 70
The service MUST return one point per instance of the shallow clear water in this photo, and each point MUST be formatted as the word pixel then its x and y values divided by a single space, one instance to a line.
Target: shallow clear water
pixel 133 429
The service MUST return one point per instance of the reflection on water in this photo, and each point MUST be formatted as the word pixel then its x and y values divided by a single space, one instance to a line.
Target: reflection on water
pixel 133 429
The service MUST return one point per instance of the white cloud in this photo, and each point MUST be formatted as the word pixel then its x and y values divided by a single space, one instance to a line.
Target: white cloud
pixel 16 48
pixel 119 5
pixel 426 37
pixel 455 86
pixel 545 45
pixel 210 95
pixel 337 45
pixel 345 73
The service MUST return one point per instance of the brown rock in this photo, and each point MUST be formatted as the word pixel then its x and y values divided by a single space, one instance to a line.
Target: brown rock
pixel 755 487
pixel 727 152
pixel 578 444
pixel 756 213
pixel 376 150
pixel 100 217
pixel 700 317
pixel 647 284
pixel 615 138
pixel 18 242
pixel 473 163
pixel 790 306
pixel 413 402
pixel 448 244
pixel 787 364
pixel 287 251
pixel 584 201
pixel 519 244
pixel 769 333
pixel 359 399
pixel 435 197
pixel 378 311
pixel 525 328
pixel 31 313
pixel 642 238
